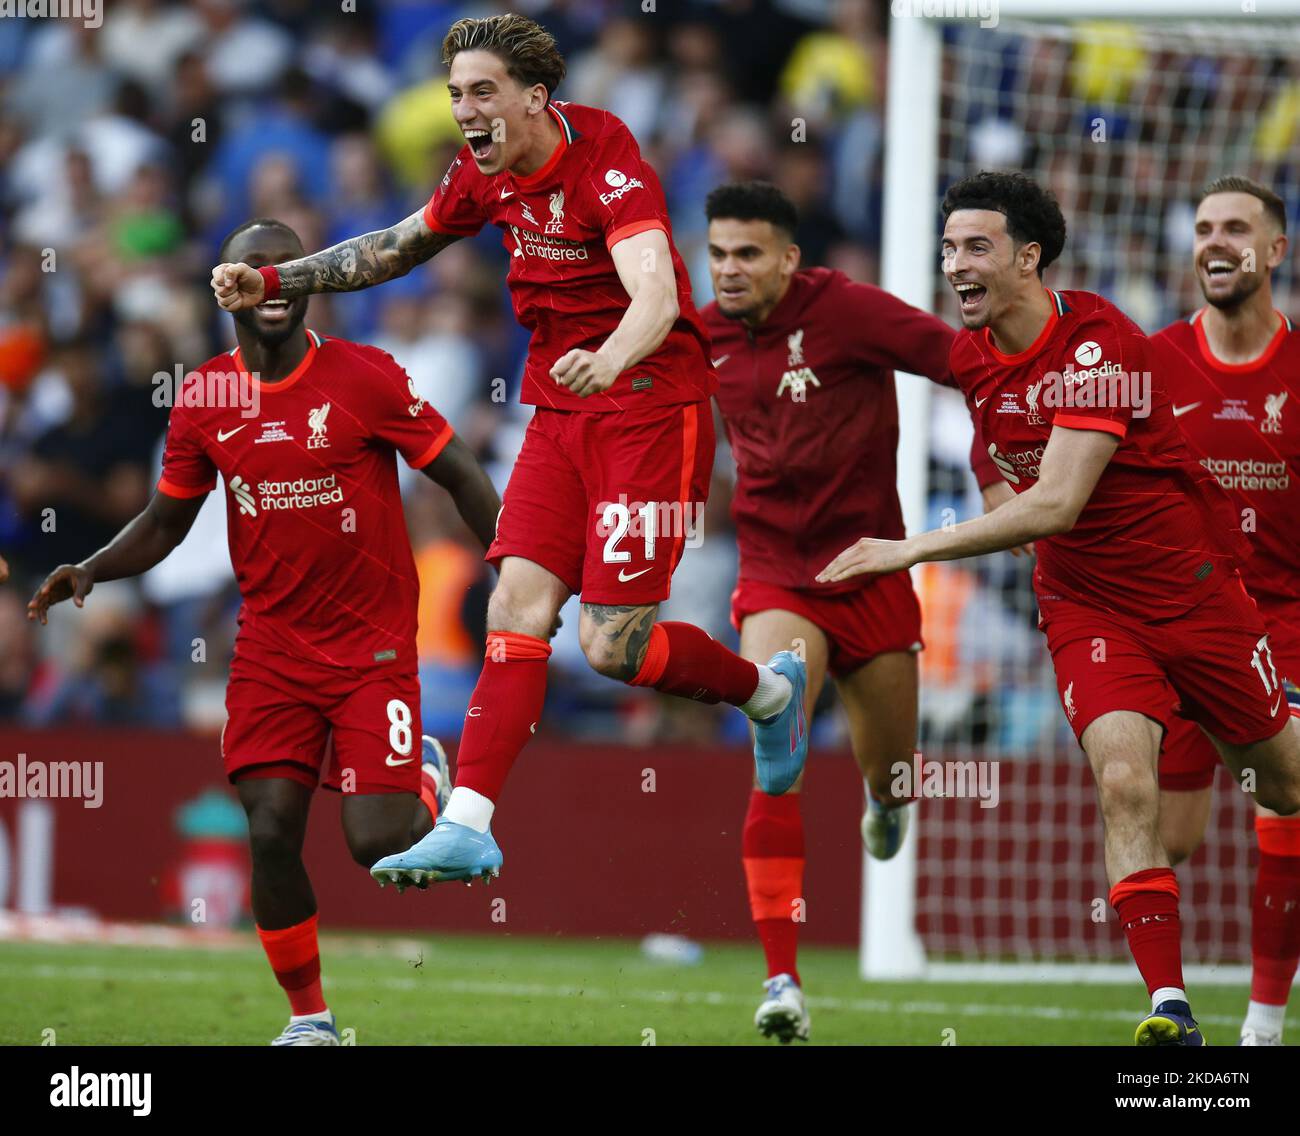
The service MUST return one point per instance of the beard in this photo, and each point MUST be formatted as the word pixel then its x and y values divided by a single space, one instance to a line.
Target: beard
pixel 273 336
pixel 1248 283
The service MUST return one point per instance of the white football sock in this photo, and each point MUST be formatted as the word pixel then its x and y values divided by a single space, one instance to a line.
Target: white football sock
pixel 323 1016
pixel 1168 994
pixel 1263 1019
pixel 770 697
pixel 469 808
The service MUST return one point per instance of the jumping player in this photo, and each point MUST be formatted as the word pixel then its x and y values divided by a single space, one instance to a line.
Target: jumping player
pixel 616 460
pixel 805 362
pixel 1139 597
pixel 303 430
pixel 1234 370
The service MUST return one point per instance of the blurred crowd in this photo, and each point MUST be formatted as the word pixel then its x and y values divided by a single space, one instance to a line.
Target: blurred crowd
pixel 127 152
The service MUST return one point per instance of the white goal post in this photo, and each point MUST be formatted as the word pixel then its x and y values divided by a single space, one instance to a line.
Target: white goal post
pixel 930 912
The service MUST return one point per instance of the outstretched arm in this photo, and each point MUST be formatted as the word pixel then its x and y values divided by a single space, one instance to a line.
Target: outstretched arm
pixel 361 262
pixel 1072 464
pixel 458 471
pixel 144 542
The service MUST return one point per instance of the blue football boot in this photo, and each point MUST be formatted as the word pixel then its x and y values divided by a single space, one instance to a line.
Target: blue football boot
pixel 450 851
pixel 781 742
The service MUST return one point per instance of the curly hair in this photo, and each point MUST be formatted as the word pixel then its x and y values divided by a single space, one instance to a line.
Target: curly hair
pixel 526 48
pixel 1031 211
pixel 752 201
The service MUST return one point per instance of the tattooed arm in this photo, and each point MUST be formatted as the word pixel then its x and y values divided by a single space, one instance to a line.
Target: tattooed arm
pixel 361 262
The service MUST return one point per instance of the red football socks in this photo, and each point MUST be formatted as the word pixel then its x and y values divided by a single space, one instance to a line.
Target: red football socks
pixel 295 958
pixel 1275 912
pixel 429 795
pixel 772 852
pixel 681 659
pixel 503 711
pixel 1147 903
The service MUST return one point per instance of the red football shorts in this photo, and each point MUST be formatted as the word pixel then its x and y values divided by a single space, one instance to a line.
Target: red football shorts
pixel 607 501
pixel 882 616
pixel 287 714
pixel 1188 759
pixel 1214 661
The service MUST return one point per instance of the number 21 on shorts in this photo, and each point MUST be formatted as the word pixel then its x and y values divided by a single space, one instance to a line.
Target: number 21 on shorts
pixel 616 520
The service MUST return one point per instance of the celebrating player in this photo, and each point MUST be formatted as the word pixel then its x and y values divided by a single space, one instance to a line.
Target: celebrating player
pixel 617 457
pixel 1140 600
pixel 304 430
pixel 1235 382
pixel 805 363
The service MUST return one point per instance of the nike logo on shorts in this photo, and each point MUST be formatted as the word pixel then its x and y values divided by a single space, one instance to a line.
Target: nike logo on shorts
pixel 624 579
pixel 404 761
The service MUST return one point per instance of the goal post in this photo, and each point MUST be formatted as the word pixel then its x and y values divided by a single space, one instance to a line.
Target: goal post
pixel 1123 108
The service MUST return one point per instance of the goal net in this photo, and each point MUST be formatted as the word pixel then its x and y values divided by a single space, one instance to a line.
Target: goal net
pixel 1124 118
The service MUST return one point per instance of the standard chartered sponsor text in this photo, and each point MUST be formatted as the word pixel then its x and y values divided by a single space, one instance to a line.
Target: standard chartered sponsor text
pixel 303 493
pixel 1249 473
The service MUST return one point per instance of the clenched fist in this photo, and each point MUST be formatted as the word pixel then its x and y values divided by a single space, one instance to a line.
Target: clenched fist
pixel 236 287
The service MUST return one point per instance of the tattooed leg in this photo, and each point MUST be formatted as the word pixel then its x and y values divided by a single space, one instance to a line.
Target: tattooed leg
pixel 614 638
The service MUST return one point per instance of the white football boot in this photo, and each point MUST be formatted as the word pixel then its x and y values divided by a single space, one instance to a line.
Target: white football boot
pixel 309 1033
pixel 783 1014
pixel 883 830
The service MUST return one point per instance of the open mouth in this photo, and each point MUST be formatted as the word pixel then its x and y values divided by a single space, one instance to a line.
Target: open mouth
pixel 480 142
pixel 1219 267
pixel 273 309
pixel 970 294
pixel 731 291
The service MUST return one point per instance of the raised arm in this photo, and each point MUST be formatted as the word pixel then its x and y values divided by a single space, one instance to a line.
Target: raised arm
pixel 350 266
pixel 144 542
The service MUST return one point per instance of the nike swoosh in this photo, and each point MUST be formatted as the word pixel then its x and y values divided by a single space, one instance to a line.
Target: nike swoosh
pixel 507 193
pixel 981 401
pixel 405 761
pixel 719 362
pixel 222 435
pixel 1273 713
pixel 1179 411
pixel 624 579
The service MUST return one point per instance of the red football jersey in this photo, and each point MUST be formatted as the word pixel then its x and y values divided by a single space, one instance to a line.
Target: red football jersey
pixel 317 534
pixel 559 224
pixel 1243 423
pixel 810 408
pixel 1154 538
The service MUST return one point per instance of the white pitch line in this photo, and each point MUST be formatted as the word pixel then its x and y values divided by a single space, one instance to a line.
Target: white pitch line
pixel 597 994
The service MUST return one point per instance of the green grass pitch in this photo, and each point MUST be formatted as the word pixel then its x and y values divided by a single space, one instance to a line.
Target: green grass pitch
pixel 505 990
